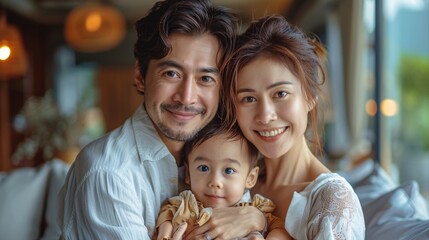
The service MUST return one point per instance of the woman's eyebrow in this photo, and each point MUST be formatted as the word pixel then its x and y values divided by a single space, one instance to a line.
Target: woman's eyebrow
pixel 241 90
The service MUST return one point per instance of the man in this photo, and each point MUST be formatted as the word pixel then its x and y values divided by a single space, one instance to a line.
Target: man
pixel 117 184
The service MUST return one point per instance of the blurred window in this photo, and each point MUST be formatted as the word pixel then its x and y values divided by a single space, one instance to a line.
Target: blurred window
pixel 404 95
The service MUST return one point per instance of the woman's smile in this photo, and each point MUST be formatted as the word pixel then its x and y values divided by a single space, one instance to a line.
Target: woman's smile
pixel 271 133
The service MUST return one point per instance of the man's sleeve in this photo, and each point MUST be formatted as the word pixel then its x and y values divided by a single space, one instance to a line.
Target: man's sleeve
pixel 103 206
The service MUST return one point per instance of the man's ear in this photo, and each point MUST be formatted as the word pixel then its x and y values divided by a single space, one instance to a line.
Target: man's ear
pixel 252 177
pixel 138 78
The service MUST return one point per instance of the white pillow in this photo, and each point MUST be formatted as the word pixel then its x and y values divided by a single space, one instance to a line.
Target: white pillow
pixel 56 180
pixel 391 211
pixel 397 214
pixel 22 194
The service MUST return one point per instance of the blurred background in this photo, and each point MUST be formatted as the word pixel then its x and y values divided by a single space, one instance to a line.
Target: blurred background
pixel 66 77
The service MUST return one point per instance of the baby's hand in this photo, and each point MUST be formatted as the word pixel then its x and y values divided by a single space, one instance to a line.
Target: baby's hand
pixel 251 236
pixel 165 231
pixel 178 234
pixel 254 236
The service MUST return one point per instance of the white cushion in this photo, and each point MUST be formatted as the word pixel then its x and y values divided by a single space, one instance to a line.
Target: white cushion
pixel 391 211
pixel 56 180
pixel 22 194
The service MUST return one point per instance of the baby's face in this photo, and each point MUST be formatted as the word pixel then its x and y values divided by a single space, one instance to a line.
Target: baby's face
pixel 218 171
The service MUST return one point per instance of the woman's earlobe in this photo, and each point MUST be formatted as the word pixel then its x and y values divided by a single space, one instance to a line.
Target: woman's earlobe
pixel 312 103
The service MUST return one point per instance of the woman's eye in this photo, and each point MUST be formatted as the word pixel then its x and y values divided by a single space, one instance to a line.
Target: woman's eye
pixel 248 99
pixel 282 94
pixel 229 171
pixel 203 168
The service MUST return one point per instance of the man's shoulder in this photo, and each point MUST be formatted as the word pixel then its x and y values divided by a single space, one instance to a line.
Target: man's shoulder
pixel 114 151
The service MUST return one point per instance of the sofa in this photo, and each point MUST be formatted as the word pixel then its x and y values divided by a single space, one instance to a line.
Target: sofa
pixel 28 201
pixel 391 210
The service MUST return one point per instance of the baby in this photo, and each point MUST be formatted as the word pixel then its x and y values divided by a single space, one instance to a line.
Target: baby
pixel 220 170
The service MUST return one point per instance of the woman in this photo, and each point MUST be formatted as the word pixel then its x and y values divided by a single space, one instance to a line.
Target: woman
pixel 272 91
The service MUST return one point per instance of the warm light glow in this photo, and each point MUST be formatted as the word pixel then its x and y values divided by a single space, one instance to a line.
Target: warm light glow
pixel 4 52
pixel 94 27
pixel 13 59
pixel 93 22
pixel 389 107
pixel 371 107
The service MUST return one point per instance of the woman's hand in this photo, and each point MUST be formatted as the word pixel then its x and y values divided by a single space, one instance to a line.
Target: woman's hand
pixel 229 223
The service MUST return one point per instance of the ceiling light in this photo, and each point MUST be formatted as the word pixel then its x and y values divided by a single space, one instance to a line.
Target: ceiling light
pixel 13 59
pixel 94 27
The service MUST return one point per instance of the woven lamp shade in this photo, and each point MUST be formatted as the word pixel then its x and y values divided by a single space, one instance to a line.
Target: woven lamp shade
pixel 94 28
pixel 13 59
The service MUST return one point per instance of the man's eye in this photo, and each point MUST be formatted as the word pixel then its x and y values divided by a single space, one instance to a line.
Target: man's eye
pixel 203 168
pixel 171 74
pixel 207 79
pixel 229 171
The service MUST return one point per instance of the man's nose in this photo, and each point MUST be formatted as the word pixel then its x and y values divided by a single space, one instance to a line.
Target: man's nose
pixel 187 91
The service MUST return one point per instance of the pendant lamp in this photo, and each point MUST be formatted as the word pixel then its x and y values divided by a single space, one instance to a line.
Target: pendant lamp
pixel 13 60
pixel 13 64
pixel 94 27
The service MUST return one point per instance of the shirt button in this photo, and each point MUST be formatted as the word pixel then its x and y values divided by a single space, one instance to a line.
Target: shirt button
pixel 192 214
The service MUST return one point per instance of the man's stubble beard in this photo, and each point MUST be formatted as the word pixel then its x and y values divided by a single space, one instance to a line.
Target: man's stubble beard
pixel 174 135
pixel 170 133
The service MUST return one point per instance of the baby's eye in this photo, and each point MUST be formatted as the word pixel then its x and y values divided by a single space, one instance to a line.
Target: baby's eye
pixel 229 171
pixel 281 94
pixel 203 168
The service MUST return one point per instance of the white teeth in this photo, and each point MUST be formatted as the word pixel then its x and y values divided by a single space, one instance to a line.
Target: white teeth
pixel 272 133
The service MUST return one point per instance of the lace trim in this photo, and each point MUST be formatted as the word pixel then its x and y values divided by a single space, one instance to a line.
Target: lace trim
pixel 336 207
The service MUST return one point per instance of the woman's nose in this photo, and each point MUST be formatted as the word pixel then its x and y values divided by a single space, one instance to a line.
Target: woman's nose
pixel 266 113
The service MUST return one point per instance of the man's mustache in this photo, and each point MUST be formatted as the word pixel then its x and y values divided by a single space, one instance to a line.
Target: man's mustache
pixel 183 108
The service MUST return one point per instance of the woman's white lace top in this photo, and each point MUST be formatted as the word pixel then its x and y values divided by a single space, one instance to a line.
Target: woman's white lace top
pixel 328 208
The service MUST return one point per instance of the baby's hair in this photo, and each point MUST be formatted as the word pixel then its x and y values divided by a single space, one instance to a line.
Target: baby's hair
pixel 213 129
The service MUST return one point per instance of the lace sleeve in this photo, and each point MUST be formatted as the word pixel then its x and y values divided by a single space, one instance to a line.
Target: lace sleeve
pixel 336 212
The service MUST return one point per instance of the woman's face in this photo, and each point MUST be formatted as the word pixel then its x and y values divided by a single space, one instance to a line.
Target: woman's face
pixel 271 108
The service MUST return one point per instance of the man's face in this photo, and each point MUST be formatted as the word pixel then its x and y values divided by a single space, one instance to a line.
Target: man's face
pixel 181 90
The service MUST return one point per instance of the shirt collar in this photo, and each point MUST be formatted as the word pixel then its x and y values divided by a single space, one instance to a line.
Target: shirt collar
pixel 149 145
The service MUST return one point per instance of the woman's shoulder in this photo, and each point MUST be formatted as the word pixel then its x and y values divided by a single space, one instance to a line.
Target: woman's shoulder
pixel 331 187
pixel 329 204
pixel 329 180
